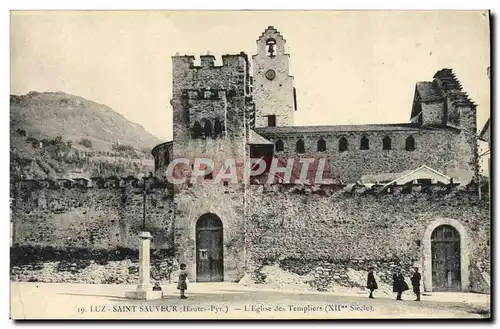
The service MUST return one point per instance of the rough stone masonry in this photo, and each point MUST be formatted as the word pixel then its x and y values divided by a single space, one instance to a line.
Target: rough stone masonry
pixel 372 214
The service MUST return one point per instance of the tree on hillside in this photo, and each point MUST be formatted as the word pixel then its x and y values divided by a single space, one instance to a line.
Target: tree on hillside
pixel 86 142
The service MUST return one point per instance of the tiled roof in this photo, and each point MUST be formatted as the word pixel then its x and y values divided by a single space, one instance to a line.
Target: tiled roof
pixel 423 172
pixel 428 91
pixel 460 98
pixel 444 81
pixel 380 178
pixel 448 78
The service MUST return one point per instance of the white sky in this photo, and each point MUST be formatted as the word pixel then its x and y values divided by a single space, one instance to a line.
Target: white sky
pixel 349 67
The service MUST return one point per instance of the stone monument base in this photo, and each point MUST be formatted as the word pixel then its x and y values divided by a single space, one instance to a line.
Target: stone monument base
pixel 143 294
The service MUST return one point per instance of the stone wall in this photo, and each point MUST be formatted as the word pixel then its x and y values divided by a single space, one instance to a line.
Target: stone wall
pixel 433 113
pixel 84 265
pixel 87 232
pixel 331 231
pixel 162 154
pixel 108 216
pixel 447 150
pixel 226 202
pixel 190 100
pixel 330 234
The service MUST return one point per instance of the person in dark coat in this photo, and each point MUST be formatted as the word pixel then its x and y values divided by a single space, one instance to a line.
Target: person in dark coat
pixel 157 287
pixel 371 284
pixel 182 285
pixel 399 285
pixel 415 282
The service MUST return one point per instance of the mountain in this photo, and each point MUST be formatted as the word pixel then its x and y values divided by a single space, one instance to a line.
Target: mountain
pixel 56 135
pixel 73 118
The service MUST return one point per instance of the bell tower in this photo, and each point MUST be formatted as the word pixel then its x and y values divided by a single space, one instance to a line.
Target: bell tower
pixel 273 91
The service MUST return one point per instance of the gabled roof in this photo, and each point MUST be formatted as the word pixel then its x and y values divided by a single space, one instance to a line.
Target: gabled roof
pixel 485 130
pixel 381 178
pixel 429 91
pixel 422 172
pixel 448 79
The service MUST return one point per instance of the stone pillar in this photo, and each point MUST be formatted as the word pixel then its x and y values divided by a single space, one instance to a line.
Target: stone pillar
pixel 144 261
pixel 144 289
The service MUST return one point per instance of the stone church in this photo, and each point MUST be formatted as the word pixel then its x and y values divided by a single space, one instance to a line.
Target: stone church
pixel 408 200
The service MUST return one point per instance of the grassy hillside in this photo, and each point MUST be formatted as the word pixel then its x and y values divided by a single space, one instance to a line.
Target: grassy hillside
pixel 55 135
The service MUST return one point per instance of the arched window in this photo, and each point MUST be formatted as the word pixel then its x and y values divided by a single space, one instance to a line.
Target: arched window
pixel 208 129
pixel 217 129
pixel 386 143
pixel 365 143
pixel 300 146
pixel 279 145
pixel 321 145
pixel 196 131
pixel 270 50
pixel 410 143
pixel 342 144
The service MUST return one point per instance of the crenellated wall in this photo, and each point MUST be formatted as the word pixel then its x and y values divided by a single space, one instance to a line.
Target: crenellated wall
pixel 327 231
pixel 104 213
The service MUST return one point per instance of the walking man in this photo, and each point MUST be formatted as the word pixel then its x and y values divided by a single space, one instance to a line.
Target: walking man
pixel 415 282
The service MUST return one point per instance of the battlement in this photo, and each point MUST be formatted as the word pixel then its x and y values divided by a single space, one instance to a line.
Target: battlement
pixel 94 182
pixel 186 62
pixel 437 189
pixel 157 183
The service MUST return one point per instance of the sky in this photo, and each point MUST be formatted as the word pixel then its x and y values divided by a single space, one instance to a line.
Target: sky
pixel 350 67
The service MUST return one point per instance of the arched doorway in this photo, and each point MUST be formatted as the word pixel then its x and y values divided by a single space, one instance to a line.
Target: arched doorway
pixel 445 251
pixel 209 252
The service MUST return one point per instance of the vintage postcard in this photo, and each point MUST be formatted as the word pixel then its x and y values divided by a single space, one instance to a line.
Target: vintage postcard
pixel 250 165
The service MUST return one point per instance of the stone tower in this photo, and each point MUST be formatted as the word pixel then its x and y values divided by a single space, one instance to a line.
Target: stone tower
pixel 273 91
pixel 210 106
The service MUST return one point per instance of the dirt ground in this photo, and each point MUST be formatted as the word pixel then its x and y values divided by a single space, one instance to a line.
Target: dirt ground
pixel 231 301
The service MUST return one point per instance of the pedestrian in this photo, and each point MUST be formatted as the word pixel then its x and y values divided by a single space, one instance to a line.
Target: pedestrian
pixel 399 285
pixel 371 284
pixel 182 285
pixel 157 287
pixel 415 282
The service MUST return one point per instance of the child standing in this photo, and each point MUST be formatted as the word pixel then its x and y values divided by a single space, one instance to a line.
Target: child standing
pixel 182 285
pixel 157 287
pixel 371 284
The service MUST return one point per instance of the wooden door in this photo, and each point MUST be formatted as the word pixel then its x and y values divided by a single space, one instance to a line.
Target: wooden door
pixel 445 250
pixel 209 252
